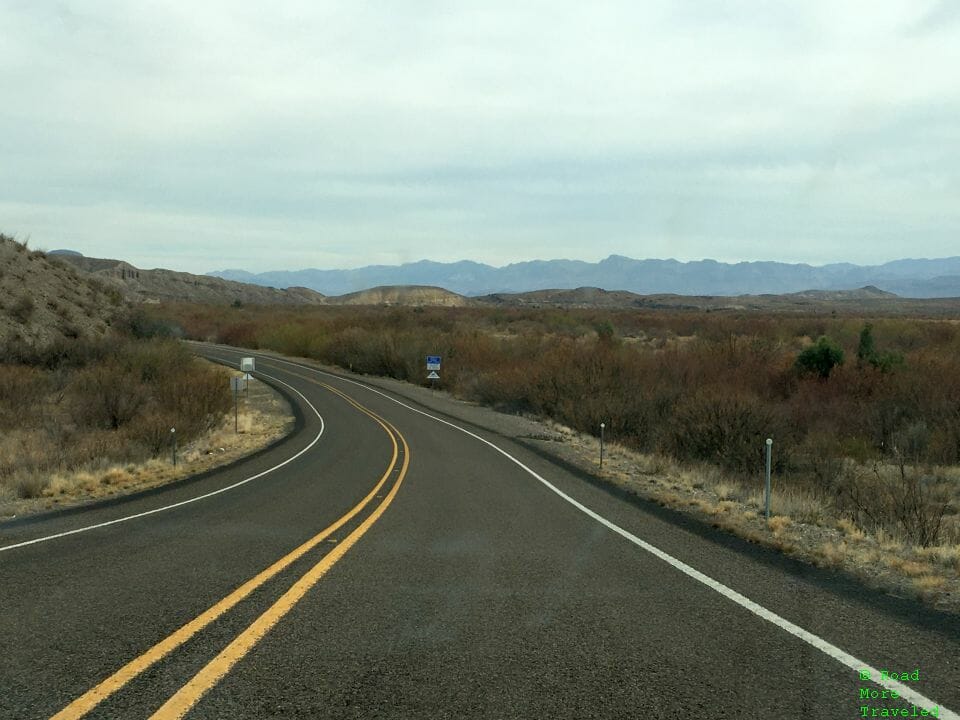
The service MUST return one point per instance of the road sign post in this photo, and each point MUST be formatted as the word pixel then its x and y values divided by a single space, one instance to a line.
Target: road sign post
pixel 766 512
pixel 433 365
pixel 173 434
pixel 235 383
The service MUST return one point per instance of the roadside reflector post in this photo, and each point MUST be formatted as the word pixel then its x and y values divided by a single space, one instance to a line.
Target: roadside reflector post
pixel 173 435
pixel 602 426
pixel 766 512
pixel 235 383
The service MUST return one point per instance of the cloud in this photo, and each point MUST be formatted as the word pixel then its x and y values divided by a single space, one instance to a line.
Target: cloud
pixel 494 131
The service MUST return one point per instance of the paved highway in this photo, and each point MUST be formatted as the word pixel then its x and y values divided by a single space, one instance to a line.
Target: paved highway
pixel 389 562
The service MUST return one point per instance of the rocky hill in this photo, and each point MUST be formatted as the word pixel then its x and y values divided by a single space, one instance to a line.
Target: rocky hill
pixel 415 295
pixel 138 285
pixel 578 297
pixel 867 299
pixel 43 300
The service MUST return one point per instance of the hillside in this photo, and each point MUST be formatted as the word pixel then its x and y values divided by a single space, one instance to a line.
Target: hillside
pixel 583 297
pixel 43 300
pixel 138 285
pixel 409 295
pixel 862 300
pixel 907 278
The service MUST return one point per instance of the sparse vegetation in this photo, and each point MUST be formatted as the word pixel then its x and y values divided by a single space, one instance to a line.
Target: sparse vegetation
pixel 22 309
pixel 45 301
pixel 99 405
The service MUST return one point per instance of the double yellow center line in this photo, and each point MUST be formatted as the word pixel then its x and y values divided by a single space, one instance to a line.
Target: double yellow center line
pixel 189 695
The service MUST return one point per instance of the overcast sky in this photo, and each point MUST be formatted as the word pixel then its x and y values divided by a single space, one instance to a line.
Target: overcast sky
pixel 202 136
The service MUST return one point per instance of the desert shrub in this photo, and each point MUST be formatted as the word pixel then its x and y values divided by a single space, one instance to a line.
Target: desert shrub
pixel 944 443
pixel 22 392
pixel 31 485
pixel 240 334
pixel 107 395
pixel 896 498
pixel 142 325
pixel 22 309
pixel 722 428
pixel 820 359
pixel 196 397
pixel 821 455
pixel 290 338
pixel 86 405
pixel 867 353
pixel 366 351
pixel 144 376
pixel 152 431
pixel 504 390
pixel 60 354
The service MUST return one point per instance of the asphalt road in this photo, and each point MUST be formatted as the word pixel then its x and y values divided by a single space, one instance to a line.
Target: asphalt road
pixel 463 576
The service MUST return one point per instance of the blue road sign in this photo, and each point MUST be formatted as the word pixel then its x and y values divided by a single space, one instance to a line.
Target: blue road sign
pixel 433 362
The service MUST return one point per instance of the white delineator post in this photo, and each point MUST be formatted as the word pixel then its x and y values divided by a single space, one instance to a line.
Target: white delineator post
pixel 602 426
pixel 766 511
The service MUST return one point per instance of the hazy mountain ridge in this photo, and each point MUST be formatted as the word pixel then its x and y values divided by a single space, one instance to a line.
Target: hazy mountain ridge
pixel 919 278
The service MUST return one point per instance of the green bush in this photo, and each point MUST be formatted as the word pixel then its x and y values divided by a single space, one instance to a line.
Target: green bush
pixel 820 359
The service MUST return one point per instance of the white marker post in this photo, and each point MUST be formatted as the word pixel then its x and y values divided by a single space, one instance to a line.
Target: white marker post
pixel 769 452
pixel 602 426
pixel 173 434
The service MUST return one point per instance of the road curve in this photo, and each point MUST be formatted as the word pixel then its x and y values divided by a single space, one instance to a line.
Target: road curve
pixel 388 562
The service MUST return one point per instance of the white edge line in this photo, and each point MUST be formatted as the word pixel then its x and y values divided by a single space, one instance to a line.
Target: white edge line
pixel 189 500
pixel 819 643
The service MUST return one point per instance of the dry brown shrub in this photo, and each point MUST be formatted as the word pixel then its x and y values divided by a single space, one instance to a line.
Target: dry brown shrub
pixel 898 497
pixel 718 427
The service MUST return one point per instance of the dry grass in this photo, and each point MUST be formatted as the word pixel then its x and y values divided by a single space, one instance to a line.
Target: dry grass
pixel 849 529
pixel 778 523
pixel 948 556
pixel 832 554
pixel 926 583
pixel 905 566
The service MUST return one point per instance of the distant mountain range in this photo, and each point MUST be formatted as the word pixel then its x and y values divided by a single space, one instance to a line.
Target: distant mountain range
pixel 907 278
